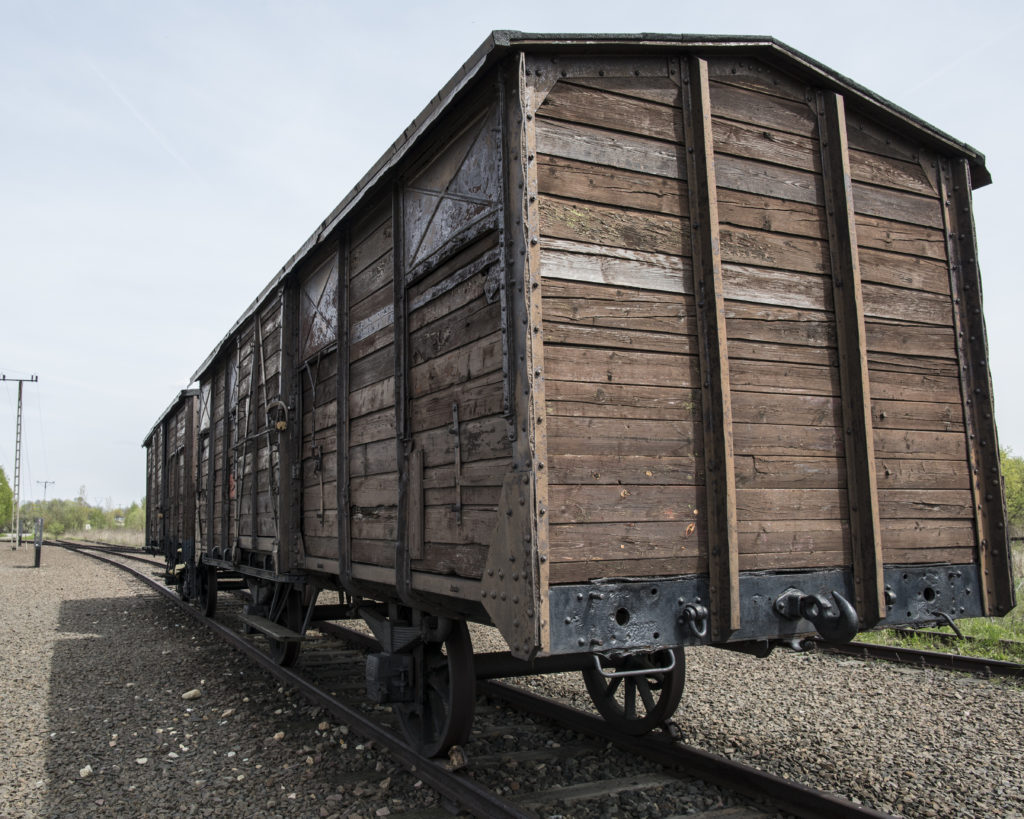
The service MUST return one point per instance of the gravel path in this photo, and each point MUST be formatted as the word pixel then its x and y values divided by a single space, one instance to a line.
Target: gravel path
pixel 93 669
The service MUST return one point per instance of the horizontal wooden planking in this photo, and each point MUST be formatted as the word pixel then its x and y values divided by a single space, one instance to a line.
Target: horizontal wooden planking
pixel 376 275
pixel 781 561
pixel 805 472
pixel 616 150
pixel 585 181
pixel 458 329
pixel 373 490
pixel 597 264
pixel 457 366
pixel 901 270
pixel 627 469
pixel 373 552
pixel 926 533
pixel 783 353
pixel 776 287
pixel 765 145
pixel 899 443
pixel 592 223
pixel 920 340
pixel 891 173
pixel 600 503
pixel 865 135
pixel 615 437
pixel 752 408
pixel 376 426
pixel 765 537
pixel 627 540
pixel 565 363
pixel 436 305
pixel 480 439
pixel 621 339
pixel 477 525
pixel 912 364
pixel 478 398
pixel 922 415
pixel 583 571
pixel 900 237
pixel 787 439
pixel 644 86
pixel 756 108
pixel 807 328
pixel 601 109
pixel 452 559
pixel 764 249
pixel 913 387
pixel 791 504
pixel 312 524
pixel 371 314
pixel 470 495
pixel 371 398
pixel 368 247
pixel 882 301
pixel 375 367
pixel 475 473
pixel 925 503
pixel 897 205
pixel 750 176
pixel 624 308
pixel 603 400
pixel 373 459
pixel 328 469
pixel 780 216
pixel 755 75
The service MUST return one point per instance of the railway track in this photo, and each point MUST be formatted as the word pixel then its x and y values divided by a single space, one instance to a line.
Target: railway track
pixel 982 666
pixel 525 732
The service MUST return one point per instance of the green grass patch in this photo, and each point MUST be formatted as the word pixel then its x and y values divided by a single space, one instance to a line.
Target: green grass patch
pixel 115 537
pixel 996 638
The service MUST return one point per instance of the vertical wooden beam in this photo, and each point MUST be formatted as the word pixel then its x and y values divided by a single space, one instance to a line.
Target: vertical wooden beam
pixel 289 440
pixel 403 438
pixel 858 433
pixel 341 428
pixel 716 400
pixel 191 476
pixel 992 534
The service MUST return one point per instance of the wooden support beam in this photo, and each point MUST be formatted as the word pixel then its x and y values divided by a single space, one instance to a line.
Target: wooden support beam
pixel 341 427
pixel 716 401
pixel 862 490
pixel 997 592
pixel 288 440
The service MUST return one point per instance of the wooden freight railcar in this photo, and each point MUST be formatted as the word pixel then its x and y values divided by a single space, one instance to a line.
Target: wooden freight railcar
pixel 628 343
pixel 171 481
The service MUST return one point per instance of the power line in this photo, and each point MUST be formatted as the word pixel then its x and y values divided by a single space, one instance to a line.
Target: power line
pixel 45 484
pixel 17 457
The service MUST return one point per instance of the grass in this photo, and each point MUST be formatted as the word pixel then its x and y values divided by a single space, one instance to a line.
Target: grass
pixel 115 537
pixel 994 637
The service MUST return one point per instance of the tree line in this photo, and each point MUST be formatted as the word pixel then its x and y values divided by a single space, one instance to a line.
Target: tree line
pixel 63 516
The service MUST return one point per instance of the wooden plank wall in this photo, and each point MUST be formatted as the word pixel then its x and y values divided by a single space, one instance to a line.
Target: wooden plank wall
pixel 372 454
pixel 622 375
pixel 626 477
pixel 922 469
pixel 318 379
pixel 791 501
pixel 154 472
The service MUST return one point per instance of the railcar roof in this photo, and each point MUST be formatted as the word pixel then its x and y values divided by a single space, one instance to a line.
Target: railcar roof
pixel 501 43
pixel 170 408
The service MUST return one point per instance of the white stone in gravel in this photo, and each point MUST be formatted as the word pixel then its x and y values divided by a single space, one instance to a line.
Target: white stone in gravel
pixel 194 694
pixel 279 736
pixel 227 712
pixel 142 760
pixel 85 772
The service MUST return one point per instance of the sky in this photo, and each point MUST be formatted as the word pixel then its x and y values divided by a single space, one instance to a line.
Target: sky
pixel 160 162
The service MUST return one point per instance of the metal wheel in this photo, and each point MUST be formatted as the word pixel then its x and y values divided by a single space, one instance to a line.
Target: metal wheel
pixel 206 578
pixel 286 652
pixel 639 703
pixel 441 713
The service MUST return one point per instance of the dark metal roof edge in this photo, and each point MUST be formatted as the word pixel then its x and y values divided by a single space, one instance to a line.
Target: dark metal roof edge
pixel 170 408
pixel 500 41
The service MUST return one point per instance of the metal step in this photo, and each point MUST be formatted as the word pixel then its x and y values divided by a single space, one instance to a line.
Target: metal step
pixel 268 627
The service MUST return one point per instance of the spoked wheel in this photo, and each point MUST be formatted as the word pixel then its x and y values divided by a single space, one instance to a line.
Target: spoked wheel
pixel 638 702
pixel 286 652
pixel 441 713
pixel 206 579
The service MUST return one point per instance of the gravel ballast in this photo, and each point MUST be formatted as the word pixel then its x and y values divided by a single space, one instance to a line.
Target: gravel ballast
pixel 93 671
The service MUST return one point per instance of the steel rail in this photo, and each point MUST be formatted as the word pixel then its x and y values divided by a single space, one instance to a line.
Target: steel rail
pixel 801 800
pixel 927 659
pixel 465 792
pixel 794 797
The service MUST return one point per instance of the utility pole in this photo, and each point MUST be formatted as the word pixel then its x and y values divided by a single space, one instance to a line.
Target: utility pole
pixel 17 458
pixel 46 484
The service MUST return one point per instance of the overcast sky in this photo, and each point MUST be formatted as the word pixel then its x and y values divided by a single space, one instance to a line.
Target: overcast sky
pixel 159 162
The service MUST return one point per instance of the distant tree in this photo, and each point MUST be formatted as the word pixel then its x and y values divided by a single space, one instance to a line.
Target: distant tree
pixel 1013 478
pixel 6 502
pixel 135 516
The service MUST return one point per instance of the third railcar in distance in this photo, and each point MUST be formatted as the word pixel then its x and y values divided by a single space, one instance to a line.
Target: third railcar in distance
pixel 628 343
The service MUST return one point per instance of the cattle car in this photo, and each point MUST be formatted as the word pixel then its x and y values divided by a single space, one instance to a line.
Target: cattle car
pixel 628 343
pixel 171 482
